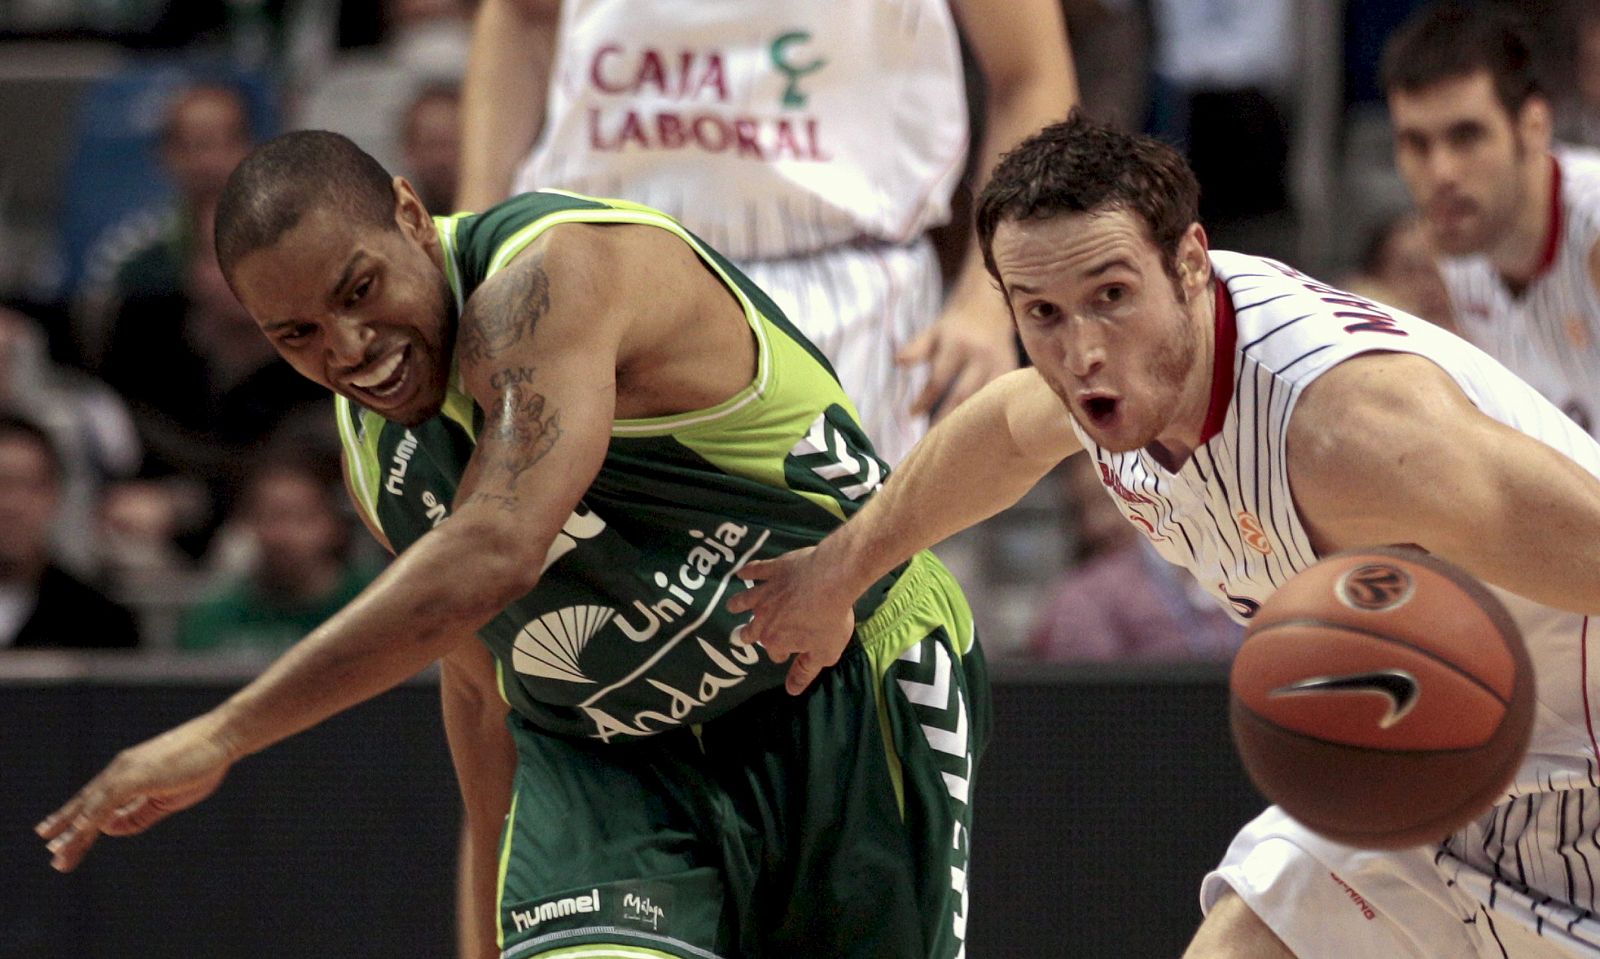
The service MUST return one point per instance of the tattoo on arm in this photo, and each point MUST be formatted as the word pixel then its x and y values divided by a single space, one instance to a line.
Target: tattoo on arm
pixel 502 312
pixel 524 426
pixel 515 376
pixel 506 504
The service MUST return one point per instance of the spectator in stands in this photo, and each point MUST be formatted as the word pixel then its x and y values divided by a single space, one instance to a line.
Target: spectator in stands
pixel 145 257
pixel 1120 600
pixel 301 569
pixel 1578 104
pixel 88 424
pixel 1398 267
pixel 364 94
pixel 41 604
pixel 430 139
pixel 205 387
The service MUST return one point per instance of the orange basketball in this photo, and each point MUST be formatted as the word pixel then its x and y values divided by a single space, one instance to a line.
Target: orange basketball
pixel 1383 698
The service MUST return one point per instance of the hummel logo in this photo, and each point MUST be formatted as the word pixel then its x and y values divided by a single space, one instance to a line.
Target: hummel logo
pixel 1397 685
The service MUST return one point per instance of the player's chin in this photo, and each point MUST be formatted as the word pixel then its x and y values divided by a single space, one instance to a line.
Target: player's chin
pixel 1458 237
pixel 412 409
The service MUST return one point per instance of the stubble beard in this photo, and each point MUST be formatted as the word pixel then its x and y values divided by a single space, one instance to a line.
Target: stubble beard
pixel 1168 372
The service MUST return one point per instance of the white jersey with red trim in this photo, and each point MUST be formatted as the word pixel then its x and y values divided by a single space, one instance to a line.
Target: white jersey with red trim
pixel 1227 515
pixel 771 129
pixel 1549 333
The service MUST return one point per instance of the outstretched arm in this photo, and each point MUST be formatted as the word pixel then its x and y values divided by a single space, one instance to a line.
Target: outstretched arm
pixel 545 433
pixel 978 461
pixel 503 97
pixel 1022 50
pixel 1386 448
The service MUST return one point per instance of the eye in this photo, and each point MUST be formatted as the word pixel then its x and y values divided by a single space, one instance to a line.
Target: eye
pixel 1044 313
pixel 1467 135
pixel 359 291
pixel 1113 293
pixel 296 334
pixel 1412 143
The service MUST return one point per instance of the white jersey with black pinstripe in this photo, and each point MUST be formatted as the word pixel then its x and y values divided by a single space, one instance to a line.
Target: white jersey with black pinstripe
pixel 1228 516
pixel 1549 332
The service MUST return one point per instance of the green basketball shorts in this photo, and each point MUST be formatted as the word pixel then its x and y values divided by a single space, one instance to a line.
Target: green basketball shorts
pixel 832 824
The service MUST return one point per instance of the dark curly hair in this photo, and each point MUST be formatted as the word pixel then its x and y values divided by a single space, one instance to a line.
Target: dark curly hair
pixel 1080 166
pixel 1453 39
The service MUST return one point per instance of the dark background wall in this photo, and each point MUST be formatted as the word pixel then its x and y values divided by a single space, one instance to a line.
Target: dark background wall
pixel 1104 797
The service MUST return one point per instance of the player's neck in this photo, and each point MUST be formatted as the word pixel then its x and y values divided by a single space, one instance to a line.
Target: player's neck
pixel 1525 250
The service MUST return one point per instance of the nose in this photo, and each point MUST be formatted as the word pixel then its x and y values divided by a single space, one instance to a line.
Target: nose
pixel 1081 353
pixel 347 343
pixel 1442 167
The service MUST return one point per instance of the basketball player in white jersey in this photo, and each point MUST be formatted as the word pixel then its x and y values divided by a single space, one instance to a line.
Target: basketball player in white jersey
pixel 1249 420
pixel 1516 218
pixel 814 143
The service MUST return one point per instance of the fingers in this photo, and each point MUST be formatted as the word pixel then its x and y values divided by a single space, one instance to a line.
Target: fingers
pixel 758 569
pixel 747 600
pixel 946 363
pixel 969 382
pixel 57 822
pixel 72 843
pixel 919 349
pixel 73 828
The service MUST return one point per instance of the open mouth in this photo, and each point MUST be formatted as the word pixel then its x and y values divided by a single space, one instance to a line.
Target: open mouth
pixel 384 380
pixel 1101 410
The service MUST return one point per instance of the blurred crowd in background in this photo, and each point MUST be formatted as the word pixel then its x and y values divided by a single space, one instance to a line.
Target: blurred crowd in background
pixel 166 482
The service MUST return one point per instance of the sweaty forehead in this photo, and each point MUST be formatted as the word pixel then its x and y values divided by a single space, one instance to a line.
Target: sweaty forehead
pixel 1039 252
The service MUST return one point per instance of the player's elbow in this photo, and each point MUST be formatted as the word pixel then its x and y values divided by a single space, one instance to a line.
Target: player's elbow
pixel 506 561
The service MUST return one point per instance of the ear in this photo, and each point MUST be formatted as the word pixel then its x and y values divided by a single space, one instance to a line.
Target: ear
pixel 1535 123
pixel 410 214
pixel 1194 266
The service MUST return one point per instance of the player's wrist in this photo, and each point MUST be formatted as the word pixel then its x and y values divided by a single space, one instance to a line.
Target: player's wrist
pixel 844 564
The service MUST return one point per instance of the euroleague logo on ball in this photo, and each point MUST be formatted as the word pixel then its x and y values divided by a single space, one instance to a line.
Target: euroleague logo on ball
pixel 1375 587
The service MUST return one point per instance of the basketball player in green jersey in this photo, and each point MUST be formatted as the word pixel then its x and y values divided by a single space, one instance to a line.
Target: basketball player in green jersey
pixel 574 422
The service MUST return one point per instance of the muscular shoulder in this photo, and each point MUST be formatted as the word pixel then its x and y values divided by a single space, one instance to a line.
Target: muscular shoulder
pixel 597 275
pixel 1357 437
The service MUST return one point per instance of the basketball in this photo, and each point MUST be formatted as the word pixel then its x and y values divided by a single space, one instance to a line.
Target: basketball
pixel 1383 698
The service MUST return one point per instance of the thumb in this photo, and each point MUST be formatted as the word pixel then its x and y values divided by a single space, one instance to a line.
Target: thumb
pixel 805 668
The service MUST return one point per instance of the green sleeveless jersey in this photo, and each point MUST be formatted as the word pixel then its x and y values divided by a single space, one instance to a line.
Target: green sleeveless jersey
pixel 627 634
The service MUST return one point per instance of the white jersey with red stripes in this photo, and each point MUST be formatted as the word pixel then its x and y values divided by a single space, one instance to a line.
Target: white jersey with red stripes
pixel 1548 333
pixel 1228 516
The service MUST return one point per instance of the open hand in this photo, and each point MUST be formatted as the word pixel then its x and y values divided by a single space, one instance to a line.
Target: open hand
pixel 797 613
pixel 965 349
pixel 141 787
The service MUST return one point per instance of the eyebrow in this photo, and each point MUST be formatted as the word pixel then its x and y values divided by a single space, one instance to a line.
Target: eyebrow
pixel 333 293
pixel 1105 267
pixel 344 277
